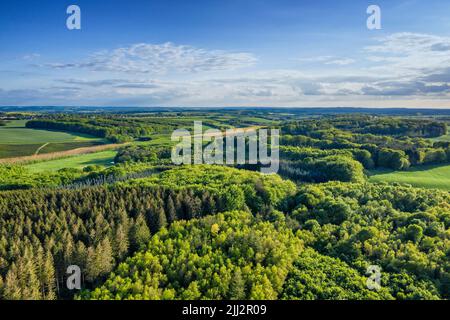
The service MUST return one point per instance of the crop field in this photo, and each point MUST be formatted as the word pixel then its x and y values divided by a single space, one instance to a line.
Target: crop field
pixel 17 141
pixel 103 158
pixel 435 177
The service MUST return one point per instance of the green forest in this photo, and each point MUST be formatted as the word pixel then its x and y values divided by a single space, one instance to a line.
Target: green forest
pixel 140 227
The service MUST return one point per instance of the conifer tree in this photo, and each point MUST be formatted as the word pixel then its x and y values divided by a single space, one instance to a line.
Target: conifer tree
pixel 140 233
pixel 121 243
pixel 171 211
pixel 48 278
pixel 237 286
pixel 12 289
pixel 105 257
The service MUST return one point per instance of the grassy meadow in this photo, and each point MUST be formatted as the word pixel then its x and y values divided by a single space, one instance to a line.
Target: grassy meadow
pixel 103 158
pixel 436 176
pixel 442 138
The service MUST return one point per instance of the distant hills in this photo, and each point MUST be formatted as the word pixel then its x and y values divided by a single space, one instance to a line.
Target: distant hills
pixel 296 111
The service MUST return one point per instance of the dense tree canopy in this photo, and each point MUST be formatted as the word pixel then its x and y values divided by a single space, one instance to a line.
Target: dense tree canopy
pixel 227 256
pixel 402 229
pixel 96 227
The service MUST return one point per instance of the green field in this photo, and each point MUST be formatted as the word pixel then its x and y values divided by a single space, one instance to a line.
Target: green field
pixel 442 138
pixel 437 176
pixel 16 140
pixel 103 158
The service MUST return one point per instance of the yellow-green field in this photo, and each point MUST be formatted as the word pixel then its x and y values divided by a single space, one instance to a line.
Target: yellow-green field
pixel 436 177
pixel 103 158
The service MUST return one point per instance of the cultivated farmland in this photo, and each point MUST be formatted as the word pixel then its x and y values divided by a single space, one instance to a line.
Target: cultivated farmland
pixel 18 141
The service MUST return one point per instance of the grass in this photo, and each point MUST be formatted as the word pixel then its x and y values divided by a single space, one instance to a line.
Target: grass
pixel 103 158
pixel 158 140
pixel 442 138
pixel 16 133
pixel 17 141
pixel 432 177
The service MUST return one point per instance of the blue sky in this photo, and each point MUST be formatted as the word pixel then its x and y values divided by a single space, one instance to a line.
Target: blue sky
pixel 225 53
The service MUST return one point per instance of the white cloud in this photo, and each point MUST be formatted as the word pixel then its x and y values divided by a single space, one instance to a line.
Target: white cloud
pixel 161 59
pixel 410 54
pixel 341 62
pixel 31 56
pixel 315 59
pixel 328 60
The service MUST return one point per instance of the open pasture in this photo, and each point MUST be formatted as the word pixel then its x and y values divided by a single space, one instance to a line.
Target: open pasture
pixel 433 177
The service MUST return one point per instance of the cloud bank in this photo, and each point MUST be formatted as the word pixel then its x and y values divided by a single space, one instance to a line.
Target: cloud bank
pixel 161 59
pixel 409 69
